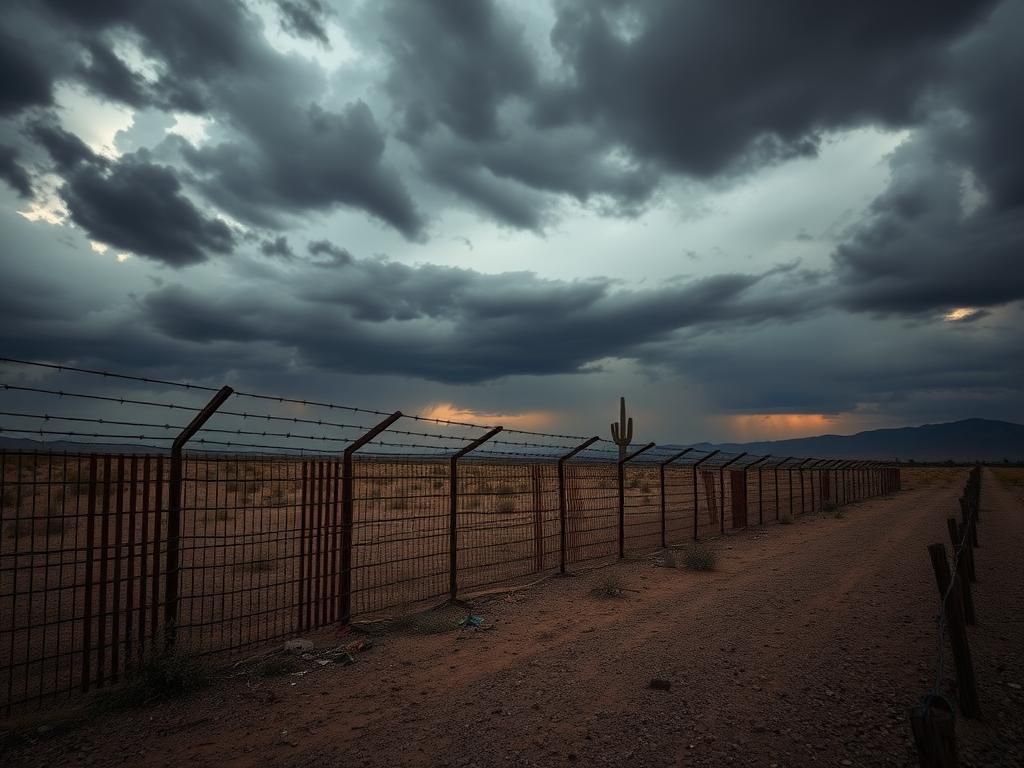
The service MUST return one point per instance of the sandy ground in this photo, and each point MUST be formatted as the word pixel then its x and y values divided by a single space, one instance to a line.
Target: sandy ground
pixel 806 646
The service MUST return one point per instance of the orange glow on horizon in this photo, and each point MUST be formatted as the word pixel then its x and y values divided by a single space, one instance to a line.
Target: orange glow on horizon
pixel 525 420
pixel 781 426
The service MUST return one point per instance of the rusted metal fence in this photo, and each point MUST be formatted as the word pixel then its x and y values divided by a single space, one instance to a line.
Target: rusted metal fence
pixel 273 519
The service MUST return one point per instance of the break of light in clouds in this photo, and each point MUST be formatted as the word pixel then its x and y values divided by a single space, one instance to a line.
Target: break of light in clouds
pixel 451 412
pixel 515 212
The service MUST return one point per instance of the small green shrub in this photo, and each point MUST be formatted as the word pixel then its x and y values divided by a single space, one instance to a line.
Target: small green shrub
pixel 699 557
pixel 610 584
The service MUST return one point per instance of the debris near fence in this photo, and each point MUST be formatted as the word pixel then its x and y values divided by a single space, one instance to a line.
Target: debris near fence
pixel 933 719
pixel 297 657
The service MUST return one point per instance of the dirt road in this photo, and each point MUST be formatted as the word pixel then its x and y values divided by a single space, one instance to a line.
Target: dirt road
pixel 806 646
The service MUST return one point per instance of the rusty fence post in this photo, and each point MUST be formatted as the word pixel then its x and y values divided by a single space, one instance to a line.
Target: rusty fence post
pixel 622 496
pixel 696 497
pixel 171 598
pixel 453 511
pixel 348 517
pixel 776 469
pixel 721 490
pixel 661 473
pixel 562 505
pixel 800 468
pixel 760 486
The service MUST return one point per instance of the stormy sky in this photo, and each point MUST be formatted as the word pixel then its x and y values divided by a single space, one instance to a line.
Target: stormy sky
pixel 753 219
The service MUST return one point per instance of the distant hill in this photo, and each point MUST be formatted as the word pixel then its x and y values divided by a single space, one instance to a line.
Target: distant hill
pixel 967 440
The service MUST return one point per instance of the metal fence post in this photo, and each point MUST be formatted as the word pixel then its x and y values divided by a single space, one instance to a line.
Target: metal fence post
pixel 453 511
pixel 721 491
pixel 780 464
pixel 622 496
pixel 696 498
pixel 661 472
pixel 348 517
pixel 760 486
pixel 174 515
pixel 562 506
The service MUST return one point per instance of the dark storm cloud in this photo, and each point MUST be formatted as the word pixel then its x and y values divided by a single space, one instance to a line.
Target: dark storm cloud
pixel 13 173
pixel 105 73
pixel 25 81
pixel 281 153
pixel 65 149
pixel 335 253
pixel 926 245
pixel 263 177
pixel 701 86
pixel 138 206
pixel 456 325
pixel 304 18
pixel 477 59
pixel 277 247
pixel 451 113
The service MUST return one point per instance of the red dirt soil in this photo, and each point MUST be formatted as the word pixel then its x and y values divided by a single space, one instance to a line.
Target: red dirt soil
pixel 807 646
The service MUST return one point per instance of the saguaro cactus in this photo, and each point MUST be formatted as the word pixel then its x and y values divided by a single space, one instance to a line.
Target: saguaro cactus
pixel 622 433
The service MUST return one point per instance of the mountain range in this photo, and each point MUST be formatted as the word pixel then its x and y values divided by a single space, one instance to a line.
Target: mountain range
pixel 966 440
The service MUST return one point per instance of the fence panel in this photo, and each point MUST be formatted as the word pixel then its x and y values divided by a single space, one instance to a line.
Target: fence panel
pixel 81 564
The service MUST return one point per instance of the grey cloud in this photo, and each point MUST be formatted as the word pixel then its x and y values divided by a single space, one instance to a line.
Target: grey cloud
pixel 335 254
pixel 13 173
pixel 707 86
pixel 341 162
pixel 459 326
pixel 284 154
pixel 477 59
pixel 106 74
pixel 139 207
pixel 304 18
pixel 277 247
pixel 66 149
pixel 25 82
pixel 922 248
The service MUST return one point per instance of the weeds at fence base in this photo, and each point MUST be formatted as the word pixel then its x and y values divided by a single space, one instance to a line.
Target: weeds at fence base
pixel 698 556
pixel 666 559
pixel 785 518
pixel 609 584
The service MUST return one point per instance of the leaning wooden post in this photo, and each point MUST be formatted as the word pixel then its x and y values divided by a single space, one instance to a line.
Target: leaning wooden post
pixel 933 723
pixel 453 510
pixel 953 610
pixel 562 505
pixel 661 472
pixel 962 568
pixel 965 514
pixel 622 496
pixel 174 514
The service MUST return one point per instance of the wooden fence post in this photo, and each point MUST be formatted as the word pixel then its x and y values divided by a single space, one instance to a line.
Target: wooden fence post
pixel 933 724
pixel 952 607
pixel 956 533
